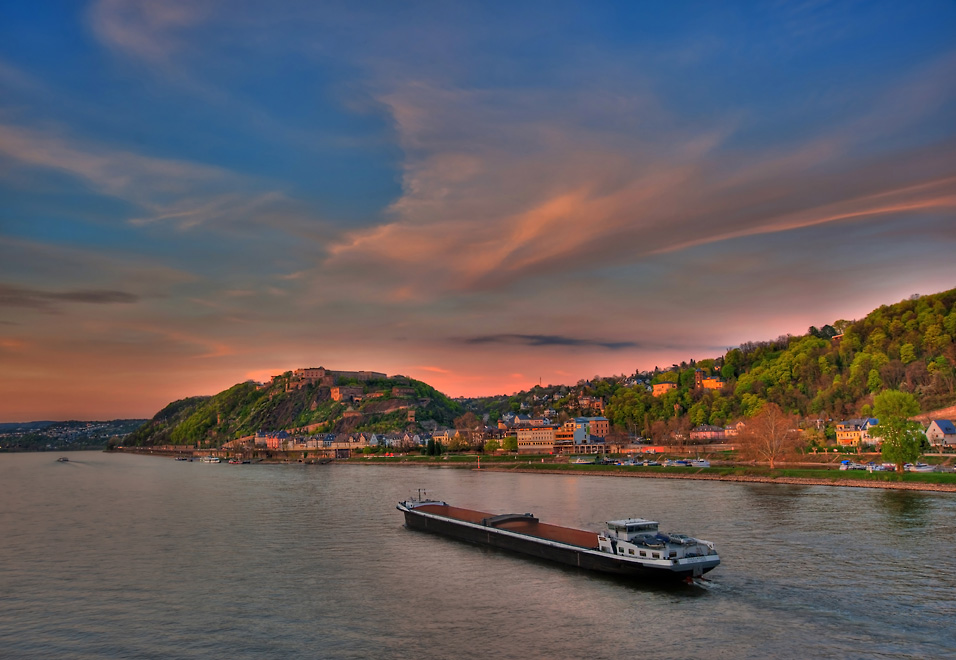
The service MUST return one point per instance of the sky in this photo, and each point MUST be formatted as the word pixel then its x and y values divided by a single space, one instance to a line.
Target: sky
pixel 480 195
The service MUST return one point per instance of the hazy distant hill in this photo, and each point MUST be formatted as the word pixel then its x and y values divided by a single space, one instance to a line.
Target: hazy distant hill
pixel 288 404
pixel 45 435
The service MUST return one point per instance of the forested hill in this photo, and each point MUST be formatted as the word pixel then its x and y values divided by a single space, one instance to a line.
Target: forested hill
pixel 288 404
pixel 832 372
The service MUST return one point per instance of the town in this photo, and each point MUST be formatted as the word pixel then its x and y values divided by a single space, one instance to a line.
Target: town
pixel 550 429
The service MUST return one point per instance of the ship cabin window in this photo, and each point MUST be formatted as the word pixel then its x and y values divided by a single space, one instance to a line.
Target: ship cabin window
pixel 643 554
pixel 673 553
pixel 656 555
pixel 631 551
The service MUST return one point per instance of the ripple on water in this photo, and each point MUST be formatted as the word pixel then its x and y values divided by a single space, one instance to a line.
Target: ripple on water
pixel 132 556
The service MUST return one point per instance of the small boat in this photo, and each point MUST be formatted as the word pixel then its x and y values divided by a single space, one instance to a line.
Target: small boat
pixel 920 467
pixel 651 464
pixel 700 463
pixel 580 460
pixel 632 547
pixel 62 459
pixel 210 459
pixel 235 461
pixel 850 465
pixel 181 458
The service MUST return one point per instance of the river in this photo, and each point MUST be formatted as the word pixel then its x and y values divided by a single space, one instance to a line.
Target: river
pixel 125 556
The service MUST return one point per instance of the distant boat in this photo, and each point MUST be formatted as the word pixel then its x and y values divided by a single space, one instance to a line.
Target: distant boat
pixel 700 463
pixel 580 460
pixel 210 459
pixel 920 467
pixel 62 459
pixel 181 458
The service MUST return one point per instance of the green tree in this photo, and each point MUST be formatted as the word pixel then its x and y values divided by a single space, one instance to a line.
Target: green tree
pixel 907 353
pixel 900 436
pixel 491 446
pixel 510 443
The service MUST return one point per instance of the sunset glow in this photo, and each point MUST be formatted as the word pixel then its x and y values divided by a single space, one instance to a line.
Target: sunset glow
pixel 483 197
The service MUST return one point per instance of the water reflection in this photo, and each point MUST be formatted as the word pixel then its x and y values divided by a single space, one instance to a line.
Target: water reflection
pixel 778 501
pixel 904 508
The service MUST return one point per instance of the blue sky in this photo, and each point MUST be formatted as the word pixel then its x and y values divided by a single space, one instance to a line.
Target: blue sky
pixel 197 193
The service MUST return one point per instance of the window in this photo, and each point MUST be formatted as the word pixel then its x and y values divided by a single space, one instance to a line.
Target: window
pixel 643 554
pixel 631 551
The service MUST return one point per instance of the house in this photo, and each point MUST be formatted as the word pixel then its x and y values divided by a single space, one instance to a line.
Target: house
pixel 941 433
pixel 522 420
pixel 733 430
pixel 704 382
pixel 707 433
pixel 854 431
pixel 276 441
pixel 663 388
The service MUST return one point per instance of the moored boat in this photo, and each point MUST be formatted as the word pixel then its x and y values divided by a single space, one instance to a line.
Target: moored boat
pixel 62 459
pixel 631 547
pixel 210 459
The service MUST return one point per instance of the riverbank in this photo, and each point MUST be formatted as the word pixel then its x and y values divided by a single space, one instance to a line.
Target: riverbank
pixel 923 481
pixel 790 475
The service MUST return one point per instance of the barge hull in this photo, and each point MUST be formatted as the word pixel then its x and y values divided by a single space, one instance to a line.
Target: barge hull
pixel 543 549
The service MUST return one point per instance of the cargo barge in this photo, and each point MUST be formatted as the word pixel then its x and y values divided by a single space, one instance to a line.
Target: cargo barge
pixel 633 547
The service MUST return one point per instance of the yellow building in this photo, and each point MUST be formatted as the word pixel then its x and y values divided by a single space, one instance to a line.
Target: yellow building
pixel 536 439
pixel 662 388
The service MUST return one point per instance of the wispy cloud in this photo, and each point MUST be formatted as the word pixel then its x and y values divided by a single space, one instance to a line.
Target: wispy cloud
pixel 491 200
pixel 182 193
pixel 146 29
pixel 547 341
pixel 12 296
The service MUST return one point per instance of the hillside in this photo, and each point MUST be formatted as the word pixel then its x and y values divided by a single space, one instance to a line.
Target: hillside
pixel 828 373
pixel 289 404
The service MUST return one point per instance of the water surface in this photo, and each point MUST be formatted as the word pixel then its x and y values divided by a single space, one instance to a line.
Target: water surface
pixel 137 556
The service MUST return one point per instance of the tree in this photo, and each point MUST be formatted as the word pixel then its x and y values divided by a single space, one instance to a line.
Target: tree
pixel 900 436
pixel 510 443
pixel 771 436
pixel 491 446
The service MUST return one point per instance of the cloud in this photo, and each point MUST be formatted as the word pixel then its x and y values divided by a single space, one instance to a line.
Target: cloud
pixel 500 188
pixel 145 29
pixel 182 193
pixel 547 341
pixel 11 296
pixel 436 370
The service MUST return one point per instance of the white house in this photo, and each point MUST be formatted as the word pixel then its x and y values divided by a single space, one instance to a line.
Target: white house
pixel 941 433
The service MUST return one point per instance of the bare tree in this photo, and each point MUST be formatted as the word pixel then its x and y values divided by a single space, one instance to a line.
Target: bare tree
pixel 770 436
